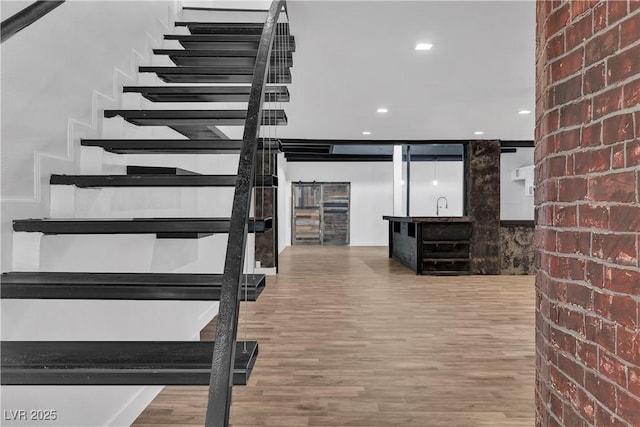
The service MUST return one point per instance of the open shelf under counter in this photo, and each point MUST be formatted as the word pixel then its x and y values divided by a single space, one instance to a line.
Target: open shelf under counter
pixel 431 245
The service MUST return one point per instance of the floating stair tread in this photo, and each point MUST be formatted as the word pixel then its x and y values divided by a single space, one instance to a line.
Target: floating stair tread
pixel 445 259
pixel 207 118
pixel 252 53
pixel 122 286
pixel 226 38
pixel 228 41
pixel 150 180
pixel 176 146
pixel 200 57
pixel 212 70
pixel 117 362
pixel 210 74
pixel 229 27
pixel 188 228
pixel 206 93
pixel 446 242
pixel 158 170
pixel 225 53
pixel 224 9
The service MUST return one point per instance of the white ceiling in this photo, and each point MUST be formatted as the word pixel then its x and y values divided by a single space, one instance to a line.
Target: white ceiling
pixel 355 56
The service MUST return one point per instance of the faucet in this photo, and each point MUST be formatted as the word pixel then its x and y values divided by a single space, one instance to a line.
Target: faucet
pixel 446 205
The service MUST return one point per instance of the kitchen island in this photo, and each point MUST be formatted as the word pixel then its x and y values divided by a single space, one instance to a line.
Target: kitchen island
pixel 431 245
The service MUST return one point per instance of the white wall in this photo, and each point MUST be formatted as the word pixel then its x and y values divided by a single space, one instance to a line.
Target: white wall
pixel 514 203
pixel 424 194
pixel 9 8
pixel 371 195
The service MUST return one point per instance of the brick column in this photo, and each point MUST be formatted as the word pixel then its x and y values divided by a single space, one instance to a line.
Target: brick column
pixel 265 200
pixel 482 193
pixel 588 213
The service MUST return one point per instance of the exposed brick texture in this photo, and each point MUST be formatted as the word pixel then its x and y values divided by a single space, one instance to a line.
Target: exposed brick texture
pixel 588 213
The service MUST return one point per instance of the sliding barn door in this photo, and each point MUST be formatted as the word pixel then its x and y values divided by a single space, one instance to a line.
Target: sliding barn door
pixel 320 214
pixel 305 228
pixel 335 214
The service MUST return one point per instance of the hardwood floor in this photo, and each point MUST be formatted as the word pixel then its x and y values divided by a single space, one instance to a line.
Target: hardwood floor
pixel 350 338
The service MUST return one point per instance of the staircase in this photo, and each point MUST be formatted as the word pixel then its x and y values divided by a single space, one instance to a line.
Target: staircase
pixel 219 63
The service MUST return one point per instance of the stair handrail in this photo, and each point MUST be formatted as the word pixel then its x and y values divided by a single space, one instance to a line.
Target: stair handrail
pixel 220 384
pixel 27 16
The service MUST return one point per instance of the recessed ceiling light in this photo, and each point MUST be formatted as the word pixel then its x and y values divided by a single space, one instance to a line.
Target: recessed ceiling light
pixel 382 110
pixel 478 132
pixel 424 46
pixel 524 112
pixel 366 132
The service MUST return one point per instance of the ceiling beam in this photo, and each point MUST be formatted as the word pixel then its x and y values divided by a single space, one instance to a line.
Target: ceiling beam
pixel 309 157
pixel 302 142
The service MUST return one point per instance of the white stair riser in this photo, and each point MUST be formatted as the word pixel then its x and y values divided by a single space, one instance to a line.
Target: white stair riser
pixel 96 161
pixel 141 202
pixel 140 253
pixel 96 320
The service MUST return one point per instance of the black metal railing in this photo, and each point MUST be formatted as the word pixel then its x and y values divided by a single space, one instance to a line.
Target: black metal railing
pixel 219 400
pixel 27 16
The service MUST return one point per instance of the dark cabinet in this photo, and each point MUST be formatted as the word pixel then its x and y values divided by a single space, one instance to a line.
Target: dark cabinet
pixel 431 245
pixel 445 248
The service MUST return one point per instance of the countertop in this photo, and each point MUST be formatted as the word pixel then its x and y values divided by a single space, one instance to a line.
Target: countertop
pixel 423 219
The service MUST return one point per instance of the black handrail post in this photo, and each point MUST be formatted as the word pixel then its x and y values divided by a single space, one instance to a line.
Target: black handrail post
pixel 220 385
pixel 26 17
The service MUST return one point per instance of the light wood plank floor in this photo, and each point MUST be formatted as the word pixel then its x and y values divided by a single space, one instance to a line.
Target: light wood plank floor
pixel 350 338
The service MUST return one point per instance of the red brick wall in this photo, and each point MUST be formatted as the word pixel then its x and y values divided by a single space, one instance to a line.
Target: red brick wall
pixel 588 213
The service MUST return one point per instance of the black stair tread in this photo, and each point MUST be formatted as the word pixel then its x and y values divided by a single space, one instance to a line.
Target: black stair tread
pixel 449 260
pixel 195 124
pixel 153 180
pixel 446 242
pixel 117 362
pixel 206 93
pixel 234 53
pixel 122 286
pixel 206 61
pixel 209 74
pixel 229 41
pixel 276 54
pixel 213 70
pixel 176 146
pixel 224 9
pixel 187 228
pixel 157 170
pixel 229 27
pixel 207 118
pixel 225 37
pixel 217 57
